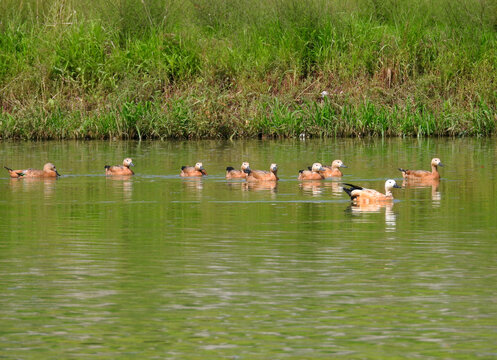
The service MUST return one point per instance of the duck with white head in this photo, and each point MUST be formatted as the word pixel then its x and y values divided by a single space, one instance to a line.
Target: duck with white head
pixel 261 175
pixel 193 171
pixel 360 195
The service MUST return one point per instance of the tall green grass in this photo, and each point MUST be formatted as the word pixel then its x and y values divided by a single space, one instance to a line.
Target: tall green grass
pixel 227 68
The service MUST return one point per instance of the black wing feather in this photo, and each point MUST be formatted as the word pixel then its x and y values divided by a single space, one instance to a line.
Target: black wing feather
pixel 351 188
pixel 354 187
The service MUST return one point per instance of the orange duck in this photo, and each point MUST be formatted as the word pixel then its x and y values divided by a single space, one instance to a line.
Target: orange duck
pixel 193 171
pixel 260 175
pixel 334 169
pixel 360 195
pixel 231 173
pixel 314 173
pixel 423 174
pixel 49 171
pixel 123 169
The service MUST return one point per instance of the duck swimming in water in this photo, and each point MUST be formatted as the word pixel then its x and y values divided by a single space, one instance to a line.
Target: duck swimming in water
pixel 314 173
pixel 334 169
pixel 123 169
pixel 260 175
pixel 231 173
pixel 360 195
pixel 193 171
pixel 49 171
pixel 423 174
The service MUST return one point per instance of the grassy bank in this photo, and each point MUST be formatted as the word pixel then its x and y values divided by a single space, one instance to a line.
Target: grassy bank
pixel 221 69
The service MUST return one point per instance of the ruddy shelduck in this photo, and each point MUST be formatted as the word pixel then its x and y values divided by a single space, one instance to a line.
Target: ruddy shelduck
pixel 315 173
pixel 334 169
pixel 360 195
pixel 49 171
pixel 123 169
pixel 193 171
pixel 231 173
pixel 423 174
pixel 260 175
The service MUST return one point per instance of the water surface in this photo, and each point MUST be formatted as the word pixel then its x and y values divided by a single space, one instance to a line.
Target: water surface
pixel 156 266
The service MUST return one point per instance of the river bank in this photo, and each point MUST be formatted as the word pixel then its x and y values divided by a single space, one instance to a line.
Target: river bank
pixel 202 69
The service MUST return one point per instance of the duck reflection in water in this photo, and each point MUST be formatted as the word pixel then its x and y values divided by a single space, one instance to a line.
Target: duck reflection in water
pixel 316 187
pixel 390 216
pixel 193 183
pixel 122 183
pixel 436 196
pixel 34 184
pixel 271 186
pixel 336 188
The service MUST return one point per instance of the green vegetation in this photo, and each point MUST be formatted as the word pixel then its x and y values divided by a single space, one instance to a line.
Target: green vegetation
pixel 243 68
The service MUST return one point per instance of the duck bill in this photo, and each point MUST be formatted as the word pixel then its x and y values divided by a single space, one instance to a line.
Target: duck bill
pixel 344 166
pixel 397 186
pixel 440 164
pixel 56 172
pixel 131 164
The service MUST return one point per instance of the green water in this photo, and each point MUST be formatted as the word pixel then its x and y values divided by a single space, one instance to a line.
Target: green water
pixel 156 266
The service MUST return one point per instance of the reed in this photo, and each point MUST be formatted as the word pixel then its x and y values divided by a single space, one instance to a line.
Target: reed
pixel 225 69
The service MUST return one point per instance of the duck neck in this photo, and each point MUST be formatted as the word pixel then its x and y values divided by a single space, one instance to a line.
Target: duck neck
pixel 388 192
pixel 434 169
